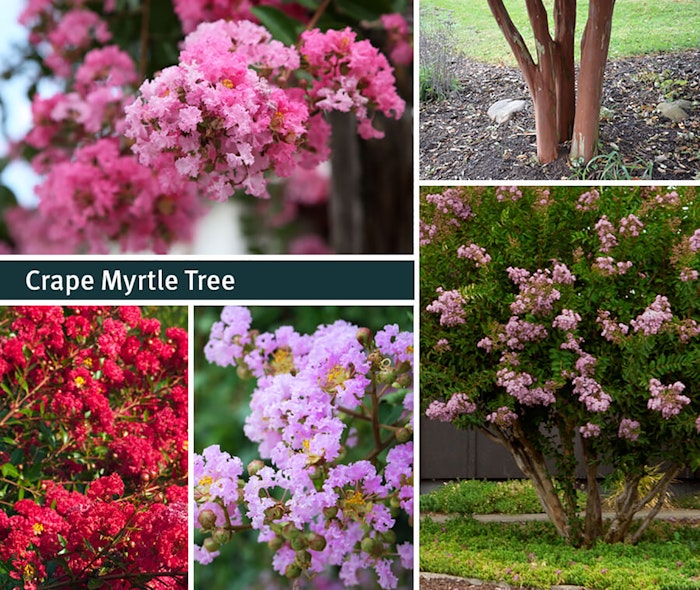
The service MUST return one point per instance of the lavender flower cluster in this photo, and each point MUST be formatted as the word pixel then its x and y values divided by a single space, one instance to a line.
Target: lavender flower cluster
pixel 316 394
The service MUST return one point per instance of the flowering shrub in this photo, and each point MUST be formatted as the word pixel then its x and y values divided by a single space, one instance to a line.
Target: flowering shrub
pixel 237 111
pixel 93 454
pixel 331 415
pixel 529 337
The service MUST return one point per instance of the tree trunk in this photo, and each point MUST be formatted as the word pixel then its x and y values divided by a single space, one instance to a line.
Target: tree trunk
pixel 630 503
pixel 564 71
pixel 594 514
pixel 550 80
pixel 532 463
pixel 594 55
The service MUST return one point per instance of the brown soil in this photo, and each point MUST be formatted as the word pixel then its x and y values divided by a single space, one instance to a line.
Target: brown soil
pixel 458 141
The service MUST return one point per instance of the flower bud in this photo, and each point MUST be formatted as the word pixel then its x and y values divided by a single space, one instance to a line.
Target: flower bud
pixel 207 519
pixel 275 543
pixel 211 545
pixel 299 543
pixel 255 466
pixel 303 559
pixel 293 571
pixel 367 545
pixel 317 542
pixel 364 337
pixel 403 435
pixel 243 372
pixel 221 535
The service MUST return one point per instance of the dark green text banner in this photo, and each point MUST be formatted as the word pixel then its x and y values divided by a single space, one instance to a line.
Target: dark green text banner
pixel 321 280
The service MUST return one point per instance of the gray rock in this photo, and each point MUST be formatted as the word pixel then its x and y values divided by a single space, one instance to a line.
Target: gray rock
pixel 503 110
pixel 675 110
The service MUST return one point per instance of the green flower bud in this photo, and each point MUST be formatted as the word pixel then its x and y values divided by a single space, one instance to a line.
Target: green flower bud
pixel 221 535
pixel 255 466
pixel 403 435
pixel 299 543
pixel 293 571
pixel 211 545
pixel 317 542
pixel 207 519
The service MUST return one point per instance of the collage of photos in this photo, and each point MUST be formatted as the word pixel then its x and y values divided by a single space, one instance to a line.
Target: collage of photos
pixel 527 414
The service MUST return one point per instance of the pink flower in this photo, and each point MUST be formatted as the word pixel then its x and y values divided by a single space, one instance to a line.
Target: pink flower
pixel 667 399
pixel 449 305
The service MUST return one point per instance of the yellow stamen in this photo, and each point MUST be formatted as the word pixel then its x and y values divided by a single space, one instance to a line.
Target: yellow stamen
pixel 80 381
pixel 38 528
pixel 356 498
pixel 226 82
pixel 206 481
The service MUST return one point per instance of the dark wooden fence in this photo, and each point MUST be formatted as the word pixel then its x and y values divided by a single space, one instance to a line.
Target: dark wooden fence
pixel 449 453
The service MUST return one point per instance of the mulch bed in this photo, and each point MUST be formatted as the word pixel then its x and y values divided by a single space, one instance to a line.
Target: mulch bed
pixel 458 141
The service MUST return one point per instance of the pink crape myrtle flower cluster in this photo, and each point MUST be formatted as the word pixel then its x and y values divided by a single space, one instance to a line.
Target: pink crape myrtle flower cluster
pixel 227 115
pixel 239 111
pixel 313 506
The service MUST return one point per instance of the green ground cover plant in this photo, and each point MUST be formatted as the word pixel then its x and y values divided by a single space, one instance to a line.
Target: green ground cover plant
pixel 666 26
pixel 533 555
pixel 515 496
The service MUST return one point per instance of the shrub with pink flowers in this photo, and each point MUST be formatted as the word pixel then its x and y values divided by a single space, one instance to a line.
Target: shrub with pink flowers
pixel 564 323
pixel 330 487
pixel 165 106
pixel 93 449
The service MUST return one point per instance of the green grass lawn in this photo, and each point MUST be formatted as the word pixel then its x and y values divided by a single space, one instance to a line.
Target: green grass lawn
pixel 639 26
pixel 532 555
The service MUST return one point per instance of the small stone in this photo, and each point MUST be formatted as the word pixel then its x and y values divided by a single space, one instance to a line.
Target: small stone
pixel 503 110
pixel 675 110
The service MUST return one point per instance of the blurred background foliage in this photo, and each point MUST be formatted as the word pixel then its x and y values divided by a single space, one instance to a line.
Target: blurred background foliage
pixel 221 406
pixel 170 316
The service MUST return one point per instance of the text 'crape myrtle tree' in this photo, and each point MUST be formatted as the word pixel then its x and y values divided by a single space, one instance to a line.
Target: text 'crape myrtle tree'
pixel 93 449
pixel 144 125
pixel 332 417
pixel 551 77
pixel 553 318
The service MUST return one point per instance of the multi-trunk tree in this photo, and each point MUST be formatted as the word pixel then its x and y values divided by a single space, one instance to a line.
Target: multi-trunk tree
pixel 551 77
pixel 563 324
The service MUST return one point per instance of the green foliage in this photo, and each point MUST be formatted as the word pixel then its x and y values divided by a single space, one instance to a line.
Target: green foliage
pixel 532 555
pixel 613 166
pixel 482 497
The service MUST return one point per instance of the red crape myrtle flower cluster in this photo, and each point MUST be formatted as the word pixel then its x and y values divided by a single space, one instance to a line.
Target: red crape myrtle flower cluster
pixel 93 449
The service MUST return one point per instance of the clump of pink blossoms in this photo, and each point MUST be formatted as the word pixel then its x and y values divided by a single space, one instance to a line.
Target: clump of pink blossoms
pixel 228 115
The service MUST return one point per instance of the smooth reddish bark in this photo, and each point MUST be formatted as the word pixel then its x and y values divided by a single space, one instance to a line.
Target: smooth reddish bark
pixel 550 74
pixel 594 55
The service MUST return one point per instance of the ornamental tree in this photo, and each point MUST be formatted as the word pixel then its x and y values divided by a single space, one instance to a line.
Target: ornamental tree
pixel 330 487
pixel 93 449
pixel 563 324
pixel 164 105
pixel 551 77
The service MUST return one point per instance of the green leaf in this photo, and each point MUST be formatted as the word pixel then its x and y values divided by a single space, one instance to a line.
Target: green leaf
pixel 281 26
pixel 310 4
pixel 9 470
pixel 368 10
